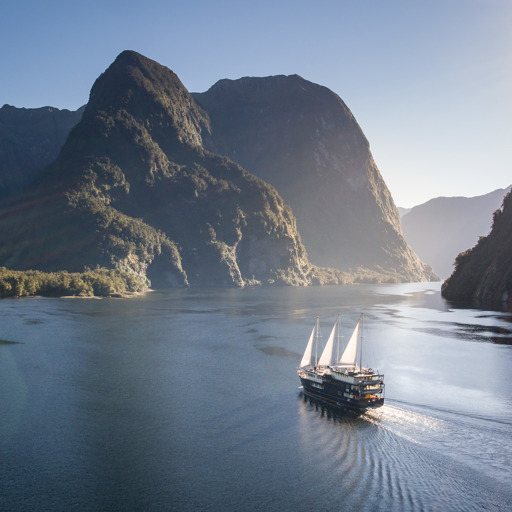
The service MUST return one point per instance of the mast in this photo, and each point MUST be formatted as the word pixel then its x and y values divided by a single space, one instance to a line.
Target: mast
pixel 316 344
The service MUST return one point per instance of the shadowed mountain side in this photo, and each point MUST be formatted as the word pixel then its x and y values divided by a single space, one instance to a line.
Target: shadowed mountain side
pixel 483 274
pixel 443 227
pixel 30 139
pixel 133 189
pixel 301 138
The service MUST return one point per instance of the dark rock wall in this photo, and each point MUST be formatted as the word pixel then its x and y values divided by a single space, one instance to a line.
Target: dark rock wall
pixel 483 274
pixel 302 138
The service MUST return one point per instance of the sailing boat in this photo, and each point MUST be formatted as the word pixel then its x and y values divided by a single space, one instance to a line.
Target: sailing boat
pixel 338 381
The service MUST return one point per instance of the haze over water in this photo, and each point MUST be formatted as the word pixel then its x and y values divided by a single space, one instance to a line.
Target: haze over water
pixel 188 400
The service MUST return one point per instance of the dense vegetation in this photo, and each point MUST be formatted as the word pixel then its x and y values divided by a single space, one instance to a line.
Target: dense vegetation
pixel 133 189
pixel 99 282
pixel 483 274
pixel 137 188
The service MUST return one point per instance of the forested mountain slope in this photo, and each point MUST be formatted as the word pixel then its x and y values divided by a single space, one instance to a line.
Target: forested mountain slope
pixel 134 189
pixel 483 274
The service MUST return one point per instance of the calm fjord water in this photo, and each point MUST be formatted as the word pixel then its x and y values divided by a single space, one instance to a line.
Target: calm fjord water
pixel 187 400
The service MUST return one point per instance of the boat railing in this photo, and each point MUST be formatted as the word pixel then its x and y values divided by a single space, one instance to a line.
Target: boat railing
pixel 310 374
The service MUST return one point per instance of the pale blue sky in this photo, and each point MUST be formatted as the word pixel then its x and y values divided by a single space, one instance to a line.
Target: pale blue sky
pixel 429 81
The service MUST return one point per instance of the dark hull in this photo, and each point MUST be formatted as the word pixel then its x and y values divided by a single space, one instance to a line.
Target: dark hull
pixel 331 393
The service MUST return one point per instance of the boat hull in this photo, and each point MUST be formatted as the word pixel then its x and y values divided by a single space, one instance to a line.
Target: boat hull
pixel 333 394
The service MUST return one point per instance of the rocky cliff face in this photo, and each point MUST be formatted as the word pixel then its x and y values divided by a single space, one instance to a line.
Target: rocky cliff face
pixel 483 274
pixel 441 228
pixel 30 139
pixel 133 188
pixel 302 138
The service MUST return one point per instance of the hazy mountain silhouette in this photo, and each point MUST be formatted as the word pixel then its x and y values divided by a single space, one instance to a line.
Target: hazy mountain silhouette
pixel 441 228
pixel 30 139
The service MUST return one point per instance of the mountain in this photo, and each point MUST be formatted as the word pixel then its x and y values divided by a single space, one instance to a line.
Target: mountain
pixel 301 138
pixel 134 189
pixel 30 139
pixel 441 228
pixel 483 274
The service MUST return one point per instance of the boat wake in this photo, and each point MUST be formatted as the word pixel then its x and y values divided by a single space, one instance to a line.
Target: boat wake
pixel 419 457
pixel 440 410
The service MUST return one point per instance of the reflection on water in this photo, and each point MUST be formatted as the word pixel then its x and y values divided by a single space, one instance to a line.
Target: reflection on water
pixel 188 400
pixel 398 457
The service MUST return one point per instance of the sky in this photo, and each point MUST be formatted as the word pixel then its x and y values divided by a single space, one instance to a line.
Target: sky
pixel 429 81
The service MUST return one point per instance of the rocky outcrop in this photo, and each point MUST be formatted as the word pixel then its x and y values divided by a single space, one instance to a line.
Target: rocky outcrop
pixel 134 189
pixel 302 138
pixel 30 139
pixel 443 227
pixel 483 274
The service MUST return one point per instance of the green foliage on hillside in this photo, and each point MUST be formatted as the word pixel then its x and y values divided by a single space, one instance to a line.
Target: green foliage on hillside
pixel 99 282
pixel 483 274
pixel 134 189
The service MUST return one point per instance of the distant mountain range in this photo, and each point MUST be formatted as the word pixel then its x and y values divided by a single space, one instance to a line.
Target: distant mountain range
pixel 30 139
pixel 153 180
pixel 483 274
pixel 403 211
pixel 441 228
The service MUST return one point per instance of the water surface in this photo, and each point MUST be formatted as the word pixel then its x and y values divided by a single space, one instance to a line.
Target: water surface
pixel 187 400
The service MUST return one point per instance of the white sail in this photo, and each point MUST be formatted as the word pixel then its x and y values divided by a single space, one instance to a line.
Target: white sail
pixel 306 358
pixel 350 353
pixel 326 357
